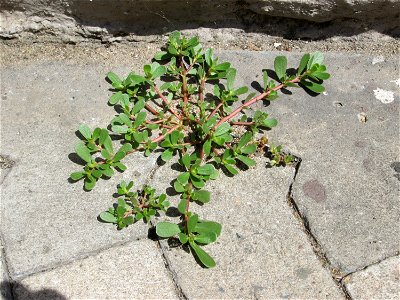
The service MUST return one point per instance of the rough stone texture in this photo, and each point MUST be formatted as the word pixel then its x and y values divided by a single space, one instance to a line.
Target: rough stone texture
pixel 5 291
pixel 347 186
pixel 133 271
pixel 108 20
pixel 380 281
pixel 45 219
pixel 326 10
pixel 262 252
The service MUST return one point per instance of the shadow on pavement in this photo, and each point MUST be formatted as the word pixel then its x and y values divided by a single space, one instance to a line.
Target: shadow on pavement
pixel 21 292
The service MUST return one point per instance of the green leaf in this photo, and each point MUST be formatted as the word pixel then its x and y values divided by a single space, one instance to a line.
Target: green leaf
pixel 179 188
pixel 206 238
pixel 89 184
pixel 315 58
pixel 183 178
pixel 167 229
pixel 250 149
pixel 139 105
pixel 182 206
pixel 208 226
pixel 115 98
pixel 241 90
pixel 270 123
pixel 186 160
pixel 167 154
pixel 105 154
pixel 203 256
pixel 312 86
pixel 105 140
pixel 183 238
pixel 231 169
pixel 247 161
pixel 280 65
pixel 245 139
pixel 159 71
pixel 161 55
pixel 85 131
pixel 202 196
pixel 192 222
pixel 222 67
pixel 83 152
pixel 303 63
pixel 140 118
pixel 321 75
pixel 207 147
pixel 120 166
pixel 108 172
pixel 265 80
pixel 221 129
pixel 113 77
pixel 108 217
pixel 209 56
pixel 197 183
pixel 230 78
pixel 77 175
pixel 206 169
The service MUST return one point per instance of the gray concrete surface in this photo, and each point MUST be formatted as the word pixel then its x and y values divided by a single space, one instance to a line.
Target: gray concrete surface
pixel 133 271
pixel 5 288
pixel 379 281
pixel 346 187
pixel 53 220
pixel 262 252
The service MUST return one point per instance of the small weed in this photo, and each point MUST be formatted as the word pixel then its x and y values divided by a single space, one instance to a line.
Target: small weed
pixel 180 119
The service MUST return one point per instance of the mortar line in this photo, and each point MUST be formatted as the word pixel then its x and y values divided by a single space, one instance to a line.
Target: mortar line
pixel 315 245
pixel 76 258
pixel 397 254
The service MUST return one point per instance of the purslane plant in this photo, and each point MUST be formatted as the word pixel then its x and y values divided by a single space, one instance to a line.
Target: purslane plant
pixel 167 108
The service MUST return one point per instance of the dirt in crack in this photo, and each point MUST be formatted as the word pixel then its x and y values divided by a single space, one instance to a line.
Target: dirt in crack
pixel 5 162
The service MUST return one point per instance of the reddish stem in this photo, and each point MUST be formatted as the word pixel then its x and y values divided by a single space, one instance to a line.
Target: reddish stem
pixel 165 100
pixel 252 101
pixel 215 110
pixel 152 110
pixel 161 137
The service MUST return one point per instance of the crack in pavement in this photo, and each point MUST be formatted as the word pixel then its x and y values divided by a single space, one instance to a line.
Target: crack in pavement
pixel 78 257
pixel 343 279
pixel 172 273
pixel 336 275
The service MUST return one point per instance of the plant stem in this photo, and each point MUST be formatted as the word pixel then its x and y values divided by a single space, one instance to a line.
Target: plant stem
pixel 161 137
pixel 152 110
pixel 164 99
pixel 252 101
pixel 215 110
pixel 201 90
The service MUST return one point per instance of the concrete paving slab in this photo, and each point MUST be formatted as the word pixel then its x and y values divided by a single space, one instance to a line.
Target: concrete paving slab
pixel 262 252
pixel 5 288
pixel 379 281
pixel 132 271
pixel 347 185
pixel 45 219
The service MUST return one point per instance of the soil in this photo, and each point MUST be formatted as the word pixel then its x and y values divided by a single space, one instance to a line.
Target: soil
pixel 349 36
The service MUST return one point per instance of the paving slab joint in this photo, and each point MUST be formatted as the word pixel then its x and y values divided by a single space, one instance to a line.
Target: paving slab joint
pixel 337 276
pixel 79 257
pixel 173 274
pixel 345 277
